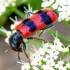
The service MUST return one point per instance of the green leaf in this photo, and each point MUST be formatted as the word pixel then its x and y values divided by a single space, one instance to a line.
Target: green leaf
pixel 43 62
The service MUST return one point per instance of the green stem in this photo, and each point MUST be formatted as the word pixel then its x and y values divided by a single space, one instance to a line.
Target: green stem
pixel 2 33
pixel 0 21
pixel 60 36
pixel 35 43
pixel 20 13
pixel 67 23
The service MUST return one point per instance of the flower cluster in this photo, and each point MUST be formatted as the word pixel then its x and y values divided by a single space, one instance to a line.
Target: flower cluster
pixel 4 4
pixel 63 7
pixel 8 34
pixel 46 58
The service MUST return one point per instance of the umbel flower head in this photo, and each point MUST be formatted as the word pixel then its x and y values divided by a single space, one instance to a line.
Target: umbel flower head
pixel 8 34
pixel 6 3
pixel 45 58
pixel 62 6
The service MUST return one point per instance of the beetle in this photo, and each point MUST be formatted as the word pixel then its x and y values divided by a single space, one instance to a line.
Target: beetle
pixel 40 20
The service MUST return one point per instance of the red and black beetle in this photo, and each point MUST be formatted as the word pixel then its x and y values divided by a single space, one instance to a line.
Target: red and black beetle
pixel 40 20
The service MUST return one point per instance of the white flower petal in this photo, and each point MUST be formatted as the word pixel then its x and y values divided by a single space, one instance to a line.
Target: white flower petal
pixel 68 65
pixel 35 68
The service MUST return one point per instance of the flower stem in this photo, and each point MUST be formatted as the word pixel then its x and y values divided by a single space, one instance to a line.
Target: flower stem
pixel 20 13
pixel 60 36
pixel 2 33
pixel 67 23
pixel 35 43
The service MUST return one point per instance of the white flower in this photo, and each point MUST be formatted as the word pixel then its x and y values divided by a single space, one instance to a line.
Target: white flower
pixel 2 9
pixel 4 4
pixel 50 62
pixel 46 3
pixel 35 68
pixel 60 62
pixel 52 54
pixel 62 68
pixel 41 51
pixel 57 43
pixel 25 66
pixel 59 65
pixel 15 22
pixel 35 58
pixel 8 34
pixel 68 65
pixel 47 67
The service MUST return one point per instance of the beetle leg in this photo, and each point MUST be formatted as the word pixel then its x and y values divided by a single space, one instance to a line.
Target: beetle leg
pixel 26 55
pixel 24 46
pixel 37 39
pixel 43 29
pixel 41 33
pixel 18 56
pixel 24 50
